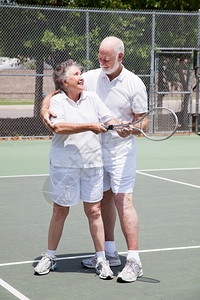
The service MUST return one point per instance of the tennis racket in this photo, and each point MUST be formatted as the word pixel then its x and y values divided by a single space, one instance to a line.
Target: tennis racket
pixel 158 124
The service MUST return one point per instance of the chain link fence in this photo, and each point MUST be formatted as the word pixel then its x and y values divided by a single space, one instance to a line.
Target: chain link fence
pixel 160 47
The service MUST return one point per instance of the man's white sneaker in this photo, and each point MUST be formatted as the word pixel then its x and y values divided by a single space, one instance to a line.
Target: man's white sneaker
pixel 130 272
pixel 45 265
pixel 103 269
pixel 113 259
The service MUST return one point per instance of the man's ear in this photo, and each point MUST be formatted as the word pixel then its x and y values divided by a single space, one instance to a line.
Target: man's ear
pixel 120 56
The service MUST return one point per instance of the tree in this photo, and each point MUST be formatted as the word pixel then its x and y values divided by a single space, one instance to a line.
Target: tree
pixel 33 33
pixel 179 5
pixel 53 36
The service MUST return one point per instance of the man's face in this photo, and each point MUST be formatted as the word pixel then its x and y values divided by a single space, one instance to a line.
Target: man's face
pixel 108 61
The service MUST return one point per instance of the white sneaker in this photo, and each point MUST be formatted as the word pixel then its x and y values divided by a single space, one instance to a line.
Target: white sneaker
pixel 130 272
pixel 103 269
pixel 113 259
pixel 45 265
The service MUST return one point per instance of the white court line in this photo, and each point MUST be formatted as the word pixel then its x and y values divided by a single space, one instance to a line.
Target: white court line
pixel 86 256
pixel 16 176
pixel 12 290
pixel 170 180
pixel 22 297
pixel 170 169
pixel 146 170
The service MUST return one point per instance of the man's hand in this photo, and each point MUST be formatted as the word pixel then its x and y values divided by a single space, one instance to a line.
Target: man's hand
pixel 45 113
pixel 124 132
pixel 46 119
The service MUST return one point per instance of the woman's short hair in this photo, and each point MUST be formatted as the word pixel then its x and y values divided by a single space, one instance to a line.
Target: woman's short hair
pixel 62 72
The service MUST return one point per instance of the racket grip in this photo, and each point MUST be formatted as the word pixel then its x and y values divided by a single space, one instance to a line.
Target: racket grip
pixel 109 127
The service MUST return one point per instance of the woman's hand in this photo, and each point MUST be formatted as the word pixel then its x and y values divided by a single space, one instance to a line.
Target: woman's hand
pixel 97 128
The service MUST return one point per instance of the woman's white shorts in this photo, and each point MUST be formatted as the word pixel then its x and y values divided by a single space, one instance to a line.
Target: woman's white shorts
pixel 69 185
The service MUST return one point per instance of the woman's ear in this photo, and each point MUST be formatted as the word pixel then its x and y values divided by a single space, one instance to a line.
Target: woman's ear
pixel 65 85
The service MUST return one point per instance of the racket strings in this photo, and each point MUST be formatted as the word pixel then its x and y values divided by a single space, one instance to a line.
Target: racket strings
pixel 159 122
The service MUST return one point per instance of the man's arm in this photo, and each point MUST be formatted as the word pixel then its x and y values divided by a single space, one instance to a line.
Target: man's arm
pixel 45 113
pixel 112 122
pixel 127 131
pixel 144 123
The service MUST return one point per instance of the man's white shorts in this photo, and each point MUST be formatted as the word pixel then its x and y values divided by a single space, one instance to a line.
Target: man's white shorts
pixel 120 168
pixel 69 185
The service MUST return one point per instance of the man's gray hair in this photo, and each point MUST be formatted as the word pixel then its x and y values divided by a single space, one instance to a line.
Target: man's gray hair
pixel 62 72
pixel 119 47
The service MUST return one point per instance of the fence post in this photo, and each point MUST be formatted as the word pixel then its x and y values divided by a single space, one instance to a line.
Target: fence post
pixel 87 42
pixel 198 75
pixel 151 93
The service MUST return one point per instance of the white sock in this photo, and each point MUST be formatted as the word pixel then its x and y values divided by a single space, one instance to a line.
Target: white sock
pixel 100 254
pixel 134 254
pixel 110 247
pixel 51 252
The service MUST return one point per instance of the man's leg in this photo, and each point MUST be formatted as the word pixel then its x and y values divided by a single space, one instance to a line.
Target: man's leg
pixel 129 224
pixel 108 214
pixel 128 219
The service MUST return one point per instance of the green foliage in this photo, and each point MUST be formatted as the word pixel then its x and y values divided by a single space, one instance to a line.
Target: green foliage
pixel 179 5
pixel 53 36
pixel 49 39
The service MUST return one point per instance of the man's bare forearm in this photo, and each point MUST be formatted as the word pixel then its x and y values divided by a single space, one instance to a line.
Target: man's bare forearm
pixel 113 122
pixel 45 104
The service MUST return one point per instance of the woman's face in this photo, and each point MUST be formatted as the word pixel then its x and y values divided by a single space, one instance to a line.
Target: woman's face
pixel 75 80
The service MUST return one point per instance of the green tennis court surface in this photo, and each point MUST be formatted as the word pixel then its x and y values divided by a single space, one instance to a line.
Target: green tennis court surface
pixel 167 199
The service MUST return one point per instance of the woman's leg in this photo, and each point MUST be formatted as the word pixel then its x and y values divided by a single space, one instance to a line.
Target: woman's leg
pixel 93 213
pixel 56 225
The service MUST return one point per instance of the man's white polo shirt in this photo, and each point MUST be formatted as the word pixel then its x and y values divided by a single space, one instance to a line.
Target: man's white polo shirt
pixel 80 150
pixel 124 95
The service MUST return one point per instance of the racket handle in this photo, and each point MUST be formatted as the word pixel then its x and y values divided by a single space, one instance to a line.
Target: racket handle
pixel 109 127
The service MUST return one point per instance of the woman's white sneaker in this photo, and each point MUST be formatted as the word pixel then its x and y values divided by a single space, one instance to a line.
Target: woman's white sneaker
pixel 45 265
pixel 103 269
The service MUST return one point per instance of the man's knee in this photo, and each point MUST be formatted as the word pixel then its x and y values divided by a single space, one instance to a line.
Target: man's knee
pixel 123 201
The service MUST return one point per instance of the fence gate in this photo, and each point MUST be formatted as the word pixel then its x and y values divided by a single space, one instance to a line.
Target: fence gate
pixel 174 84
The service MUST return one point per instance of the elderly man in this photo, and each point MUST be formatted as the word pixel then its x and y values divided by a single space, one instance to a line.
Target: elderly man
pixel 125 95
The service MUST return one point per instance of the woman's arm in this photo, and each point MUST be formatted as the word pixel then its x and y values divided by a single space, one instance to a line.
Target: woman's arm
pixel 72 128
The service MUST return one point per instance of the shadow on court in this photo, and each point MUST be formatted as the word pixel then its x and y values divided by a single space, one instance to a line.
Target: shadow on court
pixel 68 263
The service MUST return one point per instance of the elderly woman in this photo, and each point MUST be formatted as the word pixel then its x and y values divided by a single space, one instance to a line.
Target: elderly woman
pixel 76 168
